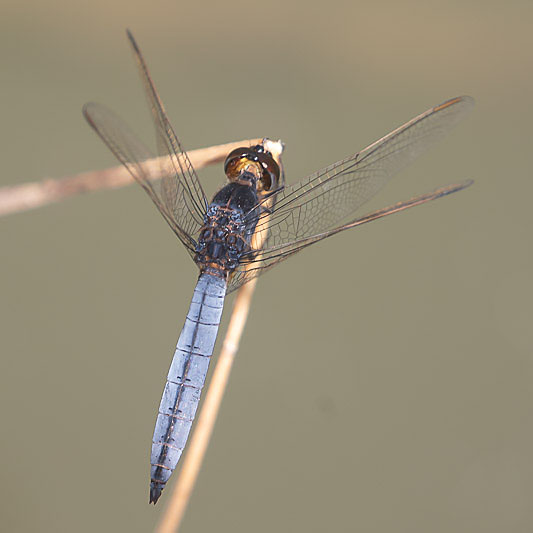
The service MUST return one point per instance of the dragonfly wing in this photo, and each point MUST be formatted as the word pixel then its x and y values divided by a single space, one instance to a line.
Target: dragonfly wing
pixel 140 162
pixel 254 265
pixel 329 197
pixel 325 202
pixel 181 190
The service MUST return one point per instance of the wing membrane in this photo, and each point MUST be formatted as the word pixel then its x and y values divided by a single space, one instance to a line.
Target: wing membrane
pixel 169 180
pixel 139 161
pixel 321 205
pixel 255 266
pixel 328 197
pixel 180 187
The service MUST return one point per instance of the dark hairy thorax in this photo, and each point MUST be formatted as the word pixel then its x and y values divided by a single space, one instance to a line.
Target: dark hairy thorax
pixel 229 224
pixel 232 216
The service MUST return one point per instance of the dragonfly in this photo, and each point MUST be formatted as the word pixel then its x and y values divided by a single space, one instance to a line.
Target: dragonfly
pixel 253 222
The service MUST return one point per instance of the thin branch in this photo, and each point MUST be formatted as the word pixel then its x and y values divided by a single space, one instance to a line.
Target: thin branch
pixel 18 198
pixel 197 446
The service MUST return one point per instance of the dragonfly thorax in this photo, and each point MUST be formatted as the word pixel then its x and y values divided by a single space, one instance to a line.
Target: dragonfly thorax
pixel 228 227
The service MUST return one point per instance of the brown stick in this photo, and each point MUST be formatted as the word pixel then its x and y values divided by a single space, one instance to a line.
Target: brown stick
pixel 17 198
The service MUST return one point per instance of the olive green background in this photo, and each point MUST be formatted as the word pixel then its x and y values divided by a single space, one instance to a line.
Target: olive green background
pixel 384 380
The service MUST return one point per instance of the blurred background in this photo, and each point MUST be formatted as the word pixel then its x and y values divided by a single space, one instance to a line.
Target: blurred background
pixel 384 378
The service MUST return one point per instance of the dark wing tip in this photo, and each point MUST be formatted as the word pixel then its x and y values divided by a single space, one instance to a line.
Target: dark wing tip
pixel 87 113
pixel 467 183
pixel 445 191
pixel 461 186
pixel 86 109
pixel 467 102
pixel 132 40
pixel 468 99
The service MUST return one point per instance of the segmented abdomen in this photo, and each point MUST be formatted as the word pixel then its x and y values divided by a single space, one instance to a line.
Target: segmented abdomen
pixel 185 380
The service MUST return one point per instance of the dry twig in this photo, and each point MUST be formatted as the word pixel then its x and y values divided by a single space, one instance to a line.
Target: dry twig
pixel 17 198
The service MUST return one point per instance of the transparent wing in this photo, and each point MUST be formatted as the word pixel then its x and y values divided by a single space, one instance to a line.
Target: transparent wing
pixel 181 190
pixel 253 266
pixel 170 180
pixel 139 161
pixel 324 199
pixel 323 202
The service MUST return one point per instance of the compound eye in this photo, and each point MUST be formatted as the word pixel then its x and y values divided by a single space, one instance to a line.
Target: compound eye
pixel 256 154
pixel 231 163
pixel 270 177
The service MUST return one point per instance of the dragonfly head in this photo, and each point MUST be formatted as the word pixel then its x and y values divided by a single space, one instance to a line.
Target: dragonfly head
pixel 257 161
